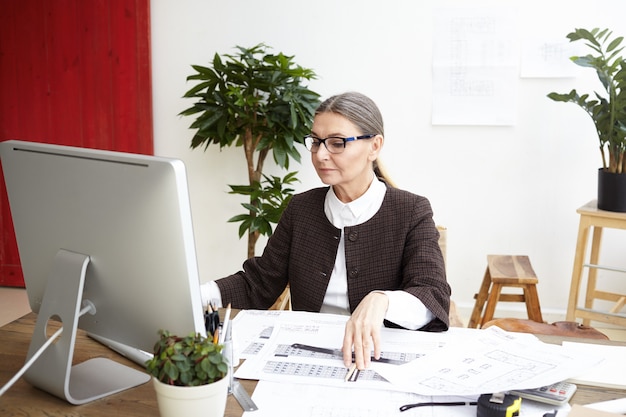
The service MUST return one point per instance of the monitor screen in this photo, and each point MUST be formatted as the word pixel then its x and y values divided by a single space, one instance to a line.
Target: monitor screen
pixel 130 214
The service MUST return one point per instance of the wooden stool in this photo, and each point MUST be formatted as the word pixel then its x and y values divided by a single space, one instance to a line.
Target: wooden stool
pixel 506 271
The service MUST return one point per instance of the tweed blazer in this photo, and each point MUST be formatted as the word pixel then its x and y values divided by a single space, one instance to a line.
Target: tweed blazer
pixel 397 249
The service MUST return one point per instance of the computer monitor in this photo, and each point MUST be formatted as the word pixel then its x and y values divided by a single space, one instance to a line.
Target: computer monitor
pixel 110 230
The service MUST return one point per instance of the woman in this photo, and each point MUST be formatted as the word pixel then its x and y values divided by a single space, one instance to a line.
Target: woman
pixel 358 247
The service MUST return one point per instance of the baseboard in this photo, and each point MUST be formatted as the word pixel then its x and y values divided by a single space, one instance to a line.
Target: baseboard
pixel 518 311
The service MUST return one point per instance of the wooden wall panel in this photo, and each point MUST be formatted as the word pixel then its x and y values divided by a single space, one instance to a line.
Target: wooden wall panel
pixel 97 74
pixel 72 72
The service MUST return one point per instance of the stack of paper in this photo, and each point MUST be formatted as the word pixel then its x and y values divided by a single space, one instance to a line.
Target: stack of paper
pixel 610 372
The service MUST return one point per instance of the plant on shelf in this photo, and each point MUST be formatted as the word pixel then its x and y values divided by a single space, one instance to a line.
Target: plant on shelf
pixel 608 112
pixel 256 100
pixel 187 361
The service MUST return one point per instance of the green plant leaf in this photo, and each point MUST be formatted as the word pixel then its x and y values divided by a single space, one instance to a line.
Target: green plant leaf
pixel 256 99
pixel 171 370
pixel 607 110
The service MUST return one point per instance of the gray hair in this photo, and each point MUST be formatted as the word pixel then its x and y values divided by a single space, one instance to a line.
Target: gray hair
pixel 364 113
pixel 358 108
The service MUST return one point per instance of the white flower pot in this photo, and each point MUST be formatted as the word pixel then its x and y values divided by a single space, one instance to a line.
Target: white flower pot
pixel 204 400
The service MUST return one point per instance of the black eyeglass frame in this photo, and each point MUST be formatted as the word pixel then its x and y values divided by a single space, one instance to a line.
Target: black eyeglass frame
pixel 310 140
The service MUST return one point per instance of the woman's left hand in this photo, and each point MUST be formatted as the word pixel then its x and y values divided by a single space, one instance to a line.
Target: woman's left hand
pixel 363 330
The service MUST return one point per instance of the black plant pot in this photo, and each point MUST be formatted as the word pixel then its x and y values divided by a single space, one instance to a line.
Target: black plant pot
pixel 611 191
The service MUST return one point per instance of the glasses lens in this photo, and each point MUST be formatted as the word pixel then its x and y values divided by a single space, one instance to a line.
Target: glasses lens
pixel 311 143
pixel 335 145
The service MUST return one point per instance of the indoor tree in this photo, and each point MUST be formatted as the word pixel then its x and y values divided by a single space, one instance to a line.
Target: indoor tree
pixel 607 109
pixel 259 101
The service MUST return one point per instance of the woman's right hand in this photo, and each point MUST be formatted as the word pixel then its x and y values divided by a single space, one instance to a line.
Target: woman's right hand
pixel 363 330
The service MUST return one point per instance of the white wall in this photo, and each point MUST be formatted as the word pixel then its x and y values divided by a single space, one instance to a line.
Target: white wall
pixel 509 190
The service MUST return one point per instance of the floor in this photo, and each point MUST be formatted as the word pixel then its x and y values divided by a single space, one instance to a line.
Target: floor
pixel 614 334
pixel 14 304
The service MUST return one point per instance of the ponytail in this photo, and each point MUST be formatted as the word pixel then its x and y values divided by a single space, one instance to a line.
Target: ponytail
pixel 381 173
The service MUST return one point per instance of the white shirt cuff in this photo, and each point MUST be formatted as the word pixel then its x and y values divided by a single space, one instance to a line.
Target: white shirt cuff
pixel 210 293
pixel 407 311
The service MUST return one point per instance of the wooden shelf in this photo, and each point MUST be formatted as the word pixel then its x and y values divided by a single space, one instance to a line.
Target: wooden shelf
pixel 593 218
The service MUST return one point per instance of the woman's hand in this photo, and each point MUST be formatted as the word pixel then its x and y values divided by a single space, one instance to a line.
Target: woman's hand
pixel 363 330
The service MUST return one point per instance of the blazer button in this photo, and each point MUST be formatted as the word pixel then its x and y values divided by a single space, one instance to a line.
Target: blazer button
pixel 354 273
pixel 352 236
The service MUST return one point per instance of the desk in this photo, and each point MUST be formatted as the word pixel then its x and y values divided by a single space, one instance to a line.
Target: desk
pixel 24 400
pixel 592 217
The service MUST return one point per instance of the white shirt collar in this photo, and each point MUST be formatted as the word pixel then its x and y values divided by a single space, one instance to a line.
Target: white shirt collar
pixel 358 211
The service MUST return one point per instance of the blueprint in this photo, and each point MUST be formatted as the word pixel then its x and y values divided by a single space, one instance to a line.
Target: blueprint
pixel 460 361
pixel 489 360
pixel 279 360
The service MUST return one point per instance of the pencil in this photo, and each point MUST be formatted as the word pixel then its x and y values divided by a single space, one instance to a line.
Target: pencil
pixel 351 371
pixel 225 326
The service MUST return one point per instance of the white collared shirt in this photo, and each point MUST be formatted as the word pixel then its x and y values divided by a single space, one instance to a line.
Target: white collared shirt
pixel 404 309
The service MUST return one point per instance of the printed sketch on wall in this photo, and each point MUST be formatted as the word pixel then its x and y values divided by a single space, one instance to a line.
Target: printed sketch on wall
pixel 475 66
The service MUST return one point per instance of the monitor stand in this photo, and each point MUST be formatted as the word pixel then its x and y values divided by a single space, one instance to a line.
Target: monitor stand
pixel 53 371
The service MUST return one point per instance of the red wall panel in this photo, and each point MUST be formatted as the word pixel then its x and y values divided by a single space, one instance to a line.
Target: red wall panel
pixel 72 72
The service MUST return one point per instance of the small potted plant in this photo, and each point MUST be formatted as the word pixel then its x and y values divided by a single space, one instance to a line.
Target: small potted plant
pixel 607 110
pixel 189 375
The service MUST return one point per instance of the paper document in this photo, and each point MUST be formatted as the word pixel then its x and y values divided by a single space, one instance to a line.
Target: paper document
pixel 491 360
pixel 281 359
pixel 251 330
pixel 610 372
pixel 583 411
pixel 617 406
pixel 460 361
pixel 276 399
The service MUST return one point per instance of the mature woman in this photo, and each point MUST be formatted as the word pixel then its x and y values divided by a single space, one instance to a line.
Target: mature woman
pixel 357 247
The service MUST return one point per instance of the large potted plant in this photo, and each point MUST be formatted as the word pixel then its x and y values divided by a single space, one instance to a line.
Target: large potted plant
pixel 258 101
pixel 607 110
pixel 189 375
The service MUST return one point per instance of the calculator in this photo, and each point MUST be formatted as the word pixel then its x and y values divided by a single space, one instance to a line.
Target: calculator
pixel 555 394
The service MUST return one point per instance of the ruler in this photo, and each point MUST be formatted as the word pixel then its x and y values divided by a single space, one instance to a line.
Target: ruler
pixel 402 358
pixel 242 397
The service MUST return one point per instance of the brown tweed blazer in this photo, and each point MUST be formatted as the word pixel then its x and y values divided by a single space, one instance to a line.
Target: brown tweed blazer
pixel 397 249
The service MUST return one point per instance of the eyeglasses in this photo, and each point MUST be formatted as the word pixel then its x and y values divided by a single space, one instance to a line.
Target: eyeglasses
pixel 333 144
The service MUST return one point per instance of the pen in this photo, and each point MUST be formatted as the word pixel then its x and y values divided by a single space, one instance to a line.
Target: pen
pixel 207 319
